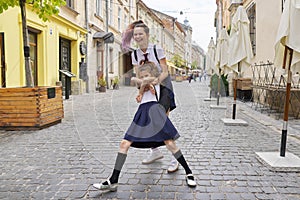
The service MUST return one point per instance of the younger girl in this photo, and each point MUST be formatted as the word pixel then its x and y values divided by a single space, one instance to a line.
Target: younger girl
pixel 151 127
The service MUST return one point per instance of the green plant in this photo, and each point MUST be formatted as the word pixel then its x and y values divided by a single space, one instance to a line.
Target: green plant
pixel 223 85
pixel 115 80
pixel 102 82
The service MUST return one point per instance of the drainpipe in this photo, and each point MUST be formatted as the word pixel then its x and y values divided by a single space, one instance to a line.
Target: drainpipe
pixel 220 24
pixel 137 9
pixel 87 42
pixel 106 49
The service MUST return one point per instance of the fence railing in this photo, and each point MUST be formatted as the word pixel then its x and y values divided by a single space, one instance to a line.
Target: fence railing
pixel 269 90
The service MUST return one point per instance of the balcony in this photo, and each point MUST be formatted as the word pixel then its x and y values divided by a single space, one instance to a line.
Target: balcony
pixel 234 4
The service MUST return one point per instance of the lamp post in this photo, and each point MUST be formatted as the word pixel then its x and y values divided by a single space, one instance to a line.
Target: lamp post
pixel 106 48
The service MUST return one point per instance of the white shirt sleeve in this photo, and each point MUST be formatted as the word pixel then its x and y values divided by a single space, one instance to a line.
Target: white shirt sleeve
pixel 160 52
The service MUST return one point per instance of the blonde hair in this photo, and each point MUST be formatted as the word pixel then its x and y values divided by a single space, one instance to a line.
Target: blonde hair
pixel 149 67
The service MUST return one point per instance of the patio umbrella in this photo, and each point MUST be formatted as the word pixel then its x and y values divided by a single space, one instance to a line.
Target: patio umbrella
pixel 222 58
pixel 240 49
pixel 210 60
pixel 210 56
pixel 288 42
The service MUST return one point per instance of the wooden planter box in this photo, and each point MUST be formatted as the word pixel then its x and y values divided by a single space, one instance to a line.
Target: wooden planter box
pixel 30 108
pixel 244 83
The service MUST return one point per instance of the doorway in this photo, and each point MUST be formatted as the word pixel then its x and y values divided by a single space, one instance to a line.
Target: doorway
pixel 65 62
pixel 2 61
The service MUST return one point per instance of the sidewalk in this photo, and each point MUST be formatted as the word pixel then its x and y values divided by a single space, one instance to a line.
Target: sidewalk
pixel 62 161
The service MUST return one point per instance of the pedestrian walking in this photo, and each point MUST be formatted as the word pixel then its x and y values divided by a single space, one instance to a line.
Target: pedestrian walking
pixel 139 32
pixel 150 127
pixel 190 78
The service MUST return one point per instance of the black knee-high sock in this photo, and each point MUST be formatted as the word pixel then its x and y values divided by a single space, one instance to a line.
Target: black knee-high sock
pixel 121 157
pixel 178 155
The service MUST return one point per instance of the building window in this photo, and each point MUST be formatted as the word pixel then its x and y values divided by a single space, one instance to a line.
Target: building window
pixel 252 26
pixel 125 21
pixel 70 3
pixel 33 56
pixel 119 18
pixel 110 10
pixel 111 63
pixel 99 57
pixel 99 8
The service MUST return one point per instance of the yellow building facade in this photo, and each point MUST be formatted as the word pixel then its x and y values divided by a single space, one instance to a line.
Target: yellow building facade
pixel 57 44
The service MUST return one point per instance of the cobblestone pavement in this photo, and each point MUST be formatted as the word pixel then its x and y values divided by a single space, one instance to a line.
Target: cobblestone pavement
pixel 62 161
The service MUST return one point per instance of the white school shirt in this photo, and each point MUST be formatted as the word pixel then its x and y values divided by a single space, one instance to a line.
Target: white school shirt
pixel 151 55
pixel 148 96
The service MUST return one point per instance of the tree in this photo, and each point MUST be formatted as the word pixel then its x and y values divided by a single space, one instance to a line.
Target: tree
pixel 194 65
pixel 43 9
pixel 178 61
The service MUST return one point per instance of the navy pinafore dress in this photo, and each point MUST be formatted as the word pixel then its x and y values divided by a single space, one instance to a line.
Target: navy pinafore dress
pixel 150 126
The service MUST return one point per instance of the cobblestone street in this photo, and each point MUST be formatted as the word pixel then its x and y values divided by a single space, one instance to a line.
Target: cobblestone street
pixel 62 161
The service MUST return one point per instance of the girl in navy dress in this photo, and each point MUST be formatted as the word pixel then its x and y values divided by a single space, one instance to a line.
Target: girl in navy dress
pixel 150 127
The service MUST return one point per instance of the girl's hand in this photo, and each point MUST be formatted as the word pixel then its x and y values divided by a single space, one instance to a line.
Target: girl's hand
pixel 155 82
pixel 139 98
pixel 151 88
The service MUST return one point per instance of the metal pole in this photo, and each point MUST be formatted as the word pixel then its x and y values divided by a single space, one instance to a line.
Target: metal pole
pixel 219 87
pixel 106 48
pixel 287 100
pixel 234 98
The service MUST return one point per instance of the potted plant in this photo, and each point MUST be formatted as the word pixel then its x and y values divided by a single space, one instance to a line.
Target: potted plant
pixel 115 83
pixel 102 84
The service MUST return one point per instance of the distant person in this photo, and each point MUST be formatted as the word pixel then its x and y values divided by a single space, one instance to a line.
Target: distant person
pixel 190 78
pixel 204 75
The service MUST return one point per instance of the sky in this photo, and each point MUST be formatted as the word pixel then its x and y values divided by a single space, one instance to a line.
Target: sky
pixel 200 14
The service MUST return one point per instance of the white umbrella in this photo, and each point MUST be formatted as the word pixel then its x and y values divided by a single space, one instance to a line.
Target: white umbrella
pixel 288 40
pixel 210 56
pixel 221 58
pixel 222 52
pixel 239 41
pixel 240 49
pixel 289 34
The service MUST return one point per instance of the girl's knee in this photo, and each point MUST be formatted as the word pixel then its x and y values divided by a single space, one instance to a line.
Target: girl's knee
pixel 171 146
pixel 124 145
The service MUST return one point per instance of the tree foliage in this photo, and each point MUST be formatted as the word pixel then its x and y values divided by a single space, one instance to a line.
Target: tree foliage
pixel 194 65
pixel 43 8
pixel 178 61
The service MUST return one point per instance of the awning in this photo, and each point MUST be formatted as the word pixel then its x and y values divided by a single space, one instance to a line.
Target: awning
pixel 108 37
pixel 173 66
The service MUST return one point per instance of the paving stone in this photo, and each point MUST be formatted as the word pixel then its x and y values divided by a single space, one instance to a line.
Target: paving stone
pixel 62 161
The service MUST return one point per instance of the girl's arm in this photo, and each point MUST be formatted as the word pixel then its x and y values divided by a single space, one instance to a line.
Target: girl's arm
pixel 137 80
pixel 148 80
pixel 164 73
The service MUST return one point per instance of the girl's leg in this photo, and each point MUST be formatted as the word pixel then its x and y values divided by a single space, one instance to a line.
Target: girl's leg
pixel 120 160
pixel 171 146
pixel 121 157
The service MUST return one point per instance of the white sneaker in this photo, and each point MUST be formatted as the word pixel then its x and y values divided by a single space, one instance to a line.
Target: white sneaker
pixel 154 155
pixel 173 167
